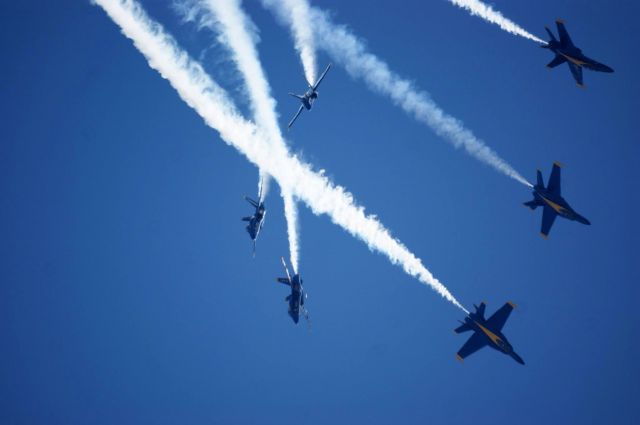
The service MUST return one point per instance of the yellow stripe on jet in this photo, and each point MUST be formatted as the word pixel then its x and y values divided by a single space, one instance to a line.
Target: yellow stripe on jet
pixel 573 60
pixel 493 337
pixel 559 209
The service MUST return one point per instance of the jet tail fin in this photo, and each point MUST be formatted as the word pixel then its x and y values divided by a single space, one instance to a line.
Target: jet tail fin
pixel 480 309
pixel 251 201
pixel 553 38
pixel 540 180
pixel 246 218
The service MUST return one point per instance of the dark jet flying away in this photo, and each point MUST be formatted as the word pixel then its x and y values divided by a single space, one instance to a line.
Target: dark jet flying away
pixel 566 52
pixel 297 297
pixel 552 202
pixel 256 220
pixel 309 97
pixel 486 332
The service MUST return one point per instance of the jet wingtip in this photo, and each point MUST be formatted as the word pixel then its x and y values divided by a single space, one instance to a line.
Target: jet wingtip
pixel 545 237
pixel 460 359
pixel 560 21
pixel 558 163
pixel 511 304
pixel 582 86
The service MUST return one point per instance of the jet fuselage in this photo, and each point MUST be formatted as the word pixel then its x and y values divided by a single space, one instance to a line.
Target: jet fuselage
pixel 575 56
pixel 495 339
pixel 309 97
pixel 558 204
pixel 255 222
pixel 296 299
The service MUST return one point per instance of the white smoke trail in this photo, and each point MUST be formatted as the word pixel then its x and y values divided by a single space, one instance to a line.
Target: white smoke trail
pixel 346 49
pixel 263 185
pixel 226 18
pixel 301 30
pixel 210 101
pixel 486 12
pixel 291 212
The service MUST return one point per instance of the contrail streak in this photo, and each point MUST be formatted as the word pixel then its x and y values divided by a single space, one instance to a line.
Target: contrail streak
pixel 347 49
pixel 291 212
pixel 210 101
pixel 226 18
pixel 301 30
pixel 486 12
pixel 263 185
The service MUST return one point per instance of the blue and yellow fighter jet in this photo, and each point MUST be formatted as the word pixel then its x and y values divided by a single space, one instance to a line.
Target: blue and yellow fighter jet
pixel 297 297
pixel 486 332
pixel 566 51
pixel 255 221
pixel 308 97
pixel 552 202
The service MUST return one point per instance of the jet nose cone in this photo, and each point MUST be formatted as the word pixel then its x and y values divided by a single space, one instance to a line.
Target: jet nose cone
pixel 517 358
pixel 584 221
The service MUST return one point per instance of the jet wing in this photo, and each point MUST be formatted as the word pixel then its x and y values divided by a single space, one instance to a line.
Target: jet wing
pixel 499 318
pixel 548 217
pixel 576 71
pixel 321 77
pixel 565 40
pixel 295 117
pixel 473 344
pixel 554 180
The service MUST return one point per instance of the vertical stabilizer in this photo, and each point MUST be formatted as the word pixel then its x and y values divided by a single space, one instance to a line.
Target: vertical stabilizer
pixel 540 181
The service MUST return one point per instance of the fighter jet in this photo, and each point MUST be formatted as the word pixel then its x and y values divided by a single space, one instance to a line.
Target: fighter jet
pixel 566 52
pixel 256 221
pixel 486 332
pixel 308 97
pixel 298 295
pixel 551 200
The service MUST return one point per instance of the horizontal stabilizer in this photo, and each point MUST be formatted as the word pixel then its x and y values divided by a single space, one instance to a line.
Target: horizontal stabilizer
pixel 533 204
pixel 558 60
pixel 247 218
pixel 297 96
pixel 462 328
pixel 284 280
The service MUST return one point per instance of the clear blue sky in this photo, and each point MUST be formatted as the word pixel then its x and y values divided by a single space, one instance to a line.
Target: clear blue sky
pixel 128 293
